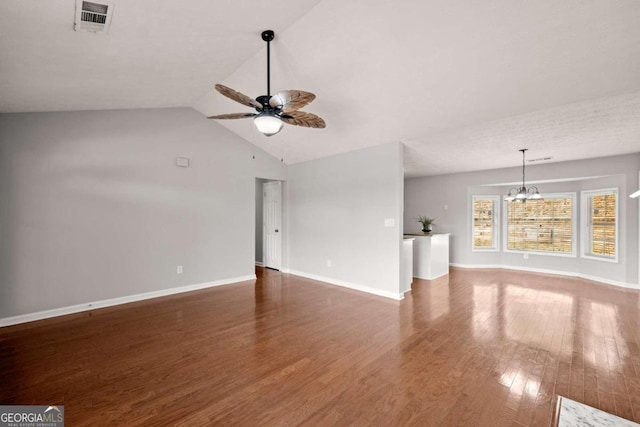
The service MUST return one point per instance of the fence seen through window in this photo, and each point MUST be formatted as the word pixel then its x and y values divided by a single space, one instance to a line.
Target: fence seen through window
pixel 541 225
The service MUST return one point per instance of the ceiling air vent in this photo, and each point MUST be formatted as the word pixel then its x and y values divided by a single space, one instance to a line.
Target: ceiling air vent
pixel 540 159
pixel 93 16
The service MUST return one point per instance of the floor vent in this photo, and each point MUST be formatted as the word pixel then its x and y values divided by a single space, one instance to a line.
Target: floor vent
pixel 93 16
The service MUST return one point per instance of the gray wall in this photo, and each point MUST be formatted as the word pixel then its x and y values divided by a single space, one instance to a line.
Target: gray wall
pixel 92 206
pixel 429 196
pixel 336 211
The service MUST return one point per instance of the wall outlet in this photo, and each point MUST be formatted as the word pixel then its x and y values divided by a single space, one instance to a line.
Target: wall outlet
pixel 526 256
pixel 328 263
pixel 179 270
pixel 389 222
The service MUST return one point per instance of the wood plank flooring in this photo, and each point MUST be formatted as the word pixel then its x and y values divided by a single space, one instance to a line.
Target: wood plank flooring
pixel 477 348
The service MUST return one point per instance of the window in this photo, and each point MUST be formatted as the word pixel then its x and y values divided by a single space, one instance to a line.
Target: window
pixel 485 223
pixel 543 226
pixel 600 224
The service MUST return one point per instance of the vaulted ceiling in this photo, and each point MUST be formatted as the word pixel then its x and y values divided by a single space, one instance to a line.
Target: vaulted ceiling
pixel 463 84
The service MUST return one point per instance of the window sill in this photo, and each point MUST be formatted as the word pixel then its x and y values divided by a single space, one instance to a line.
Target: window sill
pixel 600 258
pixel 556 254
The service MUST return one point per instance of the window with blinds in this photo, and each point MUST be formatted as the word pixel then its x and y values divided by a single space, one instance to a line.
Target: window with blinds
pixel 544 226
pixel 485 223
pixel 600 224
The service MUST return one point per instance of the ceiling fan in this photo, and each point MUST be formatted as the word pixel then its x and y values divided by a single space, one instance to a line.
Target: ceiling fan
pixel 273 111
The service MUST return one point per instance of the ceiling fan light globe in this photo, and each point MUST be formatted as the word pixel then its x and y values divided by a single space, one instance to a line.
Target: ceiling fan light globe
pixel 268 124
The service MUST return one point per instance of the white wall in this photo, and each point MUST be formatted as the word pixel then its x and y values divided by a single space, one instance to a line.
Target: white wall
pixel 92 206
pixel 429 195
pixel 336 211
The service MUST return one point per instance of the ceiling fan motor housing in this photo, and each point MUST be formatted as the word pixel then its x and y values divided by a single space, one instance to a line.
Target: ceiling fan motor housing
pixel 264 100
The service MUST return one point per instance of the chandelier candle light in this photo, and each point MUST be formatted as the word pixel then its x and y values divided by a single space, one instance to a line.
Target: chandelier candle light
pixel 523 193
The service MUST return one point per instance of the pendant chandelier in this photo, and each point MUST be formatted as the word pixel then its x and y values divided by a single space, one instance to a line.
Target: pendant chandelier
pixel 523 193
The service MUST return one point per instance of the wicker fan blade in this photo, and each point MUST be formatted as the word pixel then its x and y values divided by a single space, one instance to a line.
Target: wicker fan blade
pixel 291 100
pixel 232 116
pixel 237 96
pixel 301 118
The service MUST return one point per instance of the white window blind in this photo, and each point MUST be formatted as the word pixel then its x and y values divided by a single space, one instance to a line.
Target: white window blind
pixel 485 223
pixel 545 226
pixel 600 223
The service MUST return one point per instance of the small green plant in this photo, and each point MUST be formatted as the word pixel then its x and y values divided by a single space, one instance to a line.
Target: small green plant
pixel 426 222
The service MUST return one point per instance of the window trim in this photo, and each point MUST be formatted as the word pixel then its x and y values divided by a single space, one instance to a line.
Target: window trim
pixel 496 223
pixel 586 228
pixel 574 227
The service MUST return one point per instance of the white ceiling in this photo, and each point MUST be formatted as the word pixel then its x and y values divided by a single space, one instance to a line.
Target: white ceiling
pixel 463 84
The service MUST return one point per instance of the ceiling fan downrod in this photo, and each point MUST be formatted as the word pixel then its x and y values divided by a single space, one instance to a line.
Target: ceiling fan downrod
pixel 268 36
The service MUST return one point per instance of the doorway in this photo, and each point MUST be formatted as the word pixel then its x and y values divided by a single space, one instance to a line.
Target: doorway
pixel 269 224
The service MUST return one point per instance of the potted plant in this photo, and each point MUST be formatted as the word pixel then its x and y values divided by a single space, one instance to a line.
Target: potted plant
pixel 426 223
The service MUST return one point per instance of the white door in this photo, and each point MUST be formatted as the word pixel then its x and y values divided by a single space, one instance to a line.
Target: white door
pixel 272 223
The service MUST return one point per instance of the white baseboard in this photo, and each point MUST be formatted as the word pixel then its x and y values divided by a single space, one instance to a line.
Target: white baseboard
pixel 609 282
pixel 46 314
pixel 259 264
pixel 479 266
pixel 547 271
pixel 349 285
pixel 433 278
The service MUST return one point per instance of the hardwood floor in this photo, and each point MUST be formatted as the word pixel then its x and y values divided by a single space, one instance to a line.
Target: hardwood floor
pixel 480 348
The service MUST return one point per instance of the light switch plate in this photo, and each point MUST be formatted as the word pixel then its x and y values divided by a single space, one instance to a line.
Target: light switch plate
pixel 183 162
pixel 389 222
